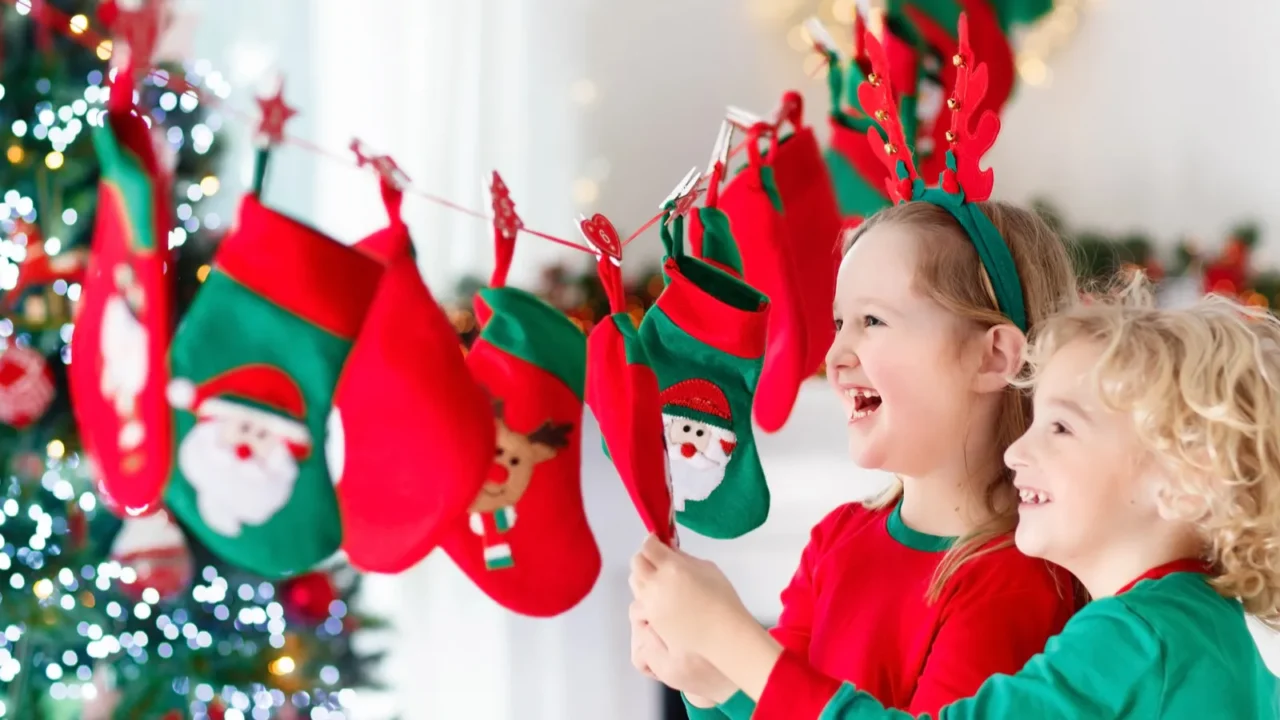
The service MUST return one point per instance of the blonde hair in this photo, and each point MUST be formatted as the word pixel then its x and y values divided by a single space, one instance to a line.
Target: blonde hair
pixel 1202 384
pixel 950 272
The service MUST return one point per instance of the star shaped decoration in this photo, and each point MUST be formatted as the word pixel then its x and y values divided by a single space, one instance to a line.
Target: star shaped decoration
pixel 384 165
pixel 275 113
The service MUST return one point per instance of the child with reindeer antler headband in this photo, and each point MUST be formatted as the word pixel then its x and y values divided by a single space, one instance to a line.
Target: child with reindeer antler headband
pixel 917 596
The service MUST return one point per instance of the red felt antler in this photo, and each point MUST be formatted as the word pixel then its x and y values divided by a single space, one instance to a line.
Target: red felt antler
pixel 969 143
pixel 876 97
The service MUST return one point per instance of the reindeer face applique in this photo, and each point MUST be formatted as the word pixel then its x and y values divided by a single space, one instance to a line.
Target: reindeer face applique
pixel 515 458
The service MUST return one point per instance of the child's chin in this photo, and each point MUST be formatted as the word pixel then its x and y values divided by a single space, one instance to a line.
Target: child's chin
pixel 1030 542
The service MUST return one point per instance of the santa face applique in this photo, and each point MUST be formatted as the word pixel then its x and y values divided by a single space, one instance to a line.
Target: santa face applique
pixel 124 354
pixel 515 458
pixel 697 424
pixel 242 456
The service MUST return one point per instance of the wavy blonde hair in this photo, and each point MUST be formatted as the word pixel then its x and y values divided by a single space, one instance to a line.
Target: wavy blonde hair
pixel 1202 384
pixel 951 273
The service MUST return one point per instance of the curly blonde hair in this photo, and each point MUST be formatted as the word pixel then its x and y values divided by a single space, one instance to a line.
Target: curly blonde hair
pixel 951 273
pixel 1202 385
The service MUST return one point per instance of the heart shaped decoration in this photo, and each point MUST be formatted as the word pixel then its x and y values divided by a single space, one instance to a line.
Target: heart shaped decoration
pixel 602 236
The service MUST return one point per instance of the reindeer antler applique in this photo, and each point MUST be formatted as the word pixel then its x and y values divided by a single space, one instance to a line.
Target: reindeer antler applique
pixel 552 435
pixel 964 181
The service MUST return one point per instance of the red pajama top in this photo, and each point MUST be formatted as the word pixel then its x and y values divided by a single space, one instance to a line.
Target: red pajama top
pixel 856 610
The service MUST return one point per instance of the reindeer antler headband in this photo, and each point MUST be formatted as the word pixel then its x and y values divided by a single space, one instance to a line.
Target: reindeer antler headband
pixel 963 182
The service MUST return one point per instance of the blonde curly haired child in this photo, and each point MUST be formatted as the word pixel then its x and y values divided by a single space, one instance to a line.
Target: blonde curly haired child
pixel 1151 471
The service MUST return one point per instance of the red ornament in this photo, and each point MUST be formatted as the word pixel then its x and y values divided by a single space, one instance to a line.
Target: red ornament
pixel 309 596
pixel 155 548
pixel 26 386
pixel 275 113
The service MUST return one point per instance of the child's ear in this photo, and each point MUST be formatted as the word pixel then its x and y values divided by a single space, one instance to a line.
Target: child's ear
pixel 1002 347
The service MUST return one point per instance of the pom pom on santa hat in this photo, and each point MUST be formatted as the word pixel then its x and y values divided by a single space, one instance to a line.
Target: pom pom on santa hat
pixel 259 394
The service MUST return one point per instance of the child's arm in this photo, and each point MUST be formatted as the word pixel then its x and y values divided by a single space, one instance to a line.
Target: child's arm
pixel 794 624
pixel 1107 663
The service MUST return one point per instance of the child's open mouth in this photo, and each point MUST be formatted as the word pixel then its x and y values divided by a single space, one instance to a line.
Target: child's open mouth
pixel 863 402
pixel 1031 496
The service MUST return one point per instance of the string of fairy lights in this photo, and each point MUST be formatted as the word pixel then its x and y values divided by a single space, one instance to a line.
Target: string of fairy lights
pixel 245 608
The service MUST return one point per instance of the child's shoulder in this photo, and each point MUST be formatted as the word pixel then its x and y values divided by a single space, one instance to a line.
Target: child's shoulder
pixel 851 517
pixel 1184 610
pixel 1001 568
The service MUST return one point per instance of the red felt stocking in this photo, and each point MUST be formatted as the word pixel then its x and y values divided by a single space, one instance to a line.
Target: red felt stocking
pixel 527 543
pixel 771 265
pixel 122 334
pixel 622 392
pixel 404 387
pixel 813 224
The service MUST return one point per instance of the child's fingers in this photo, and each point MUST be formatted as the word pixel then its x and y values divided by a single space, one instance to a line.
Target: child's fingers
pixel 635 613
pixel 655 550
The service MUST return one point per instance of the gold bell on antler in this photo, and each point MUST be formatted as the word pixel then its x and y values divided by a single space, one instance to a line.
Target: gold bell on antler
pixel 951 137
pixel 953 103
pixel 957 60
pixel 882 116
pixel 890 149
pixel 874 79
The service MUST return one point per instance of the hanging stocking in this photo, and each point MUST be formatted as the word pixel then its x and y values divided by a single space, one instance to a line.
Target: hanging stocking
pixel 771 263
pixel 122 329
pixel 622 392
pixel 255 364
pixel 813 224
pixel 404 387
pixel 527 543
pixel 705 338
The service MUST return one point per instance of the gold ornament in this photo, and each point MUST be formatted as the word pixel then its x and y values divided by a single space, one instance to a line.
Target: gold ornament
pixel 890 149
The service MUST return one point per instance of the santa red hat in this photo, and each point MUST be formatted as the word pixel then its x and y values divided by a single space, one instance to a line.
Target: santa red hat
pixel 261 394
pixel 700 400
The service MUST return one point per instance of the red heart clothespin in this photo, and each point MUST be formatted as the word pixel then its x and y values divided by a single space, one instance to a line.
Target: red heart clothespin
pixel 275 113
pixel 602 237
pixel 384 165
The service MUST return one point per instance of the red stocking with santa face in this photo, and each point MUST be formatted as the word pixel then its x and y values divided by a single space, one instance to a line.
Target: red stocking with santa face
pixel 526 542
pixel 405 389
pixel 118 373
pixel 255 363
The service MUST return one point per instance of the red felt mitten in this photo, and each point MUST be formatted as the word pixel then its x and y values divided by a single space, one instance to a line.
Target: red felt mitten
pixel 405 385
pixel 527 543
pixel 813 223
pixel 770 265
pixel 622 392
pixel 120 371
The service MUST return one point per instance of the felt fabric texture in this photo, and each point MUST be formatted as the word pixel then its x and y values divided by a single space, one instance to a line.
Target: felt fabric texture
pixel 123 327
pixel 255 364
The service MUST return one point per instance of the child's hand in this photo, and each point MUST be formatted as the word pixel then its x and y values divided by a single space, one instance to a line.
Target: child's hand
pixel 686 601
pixel 691 674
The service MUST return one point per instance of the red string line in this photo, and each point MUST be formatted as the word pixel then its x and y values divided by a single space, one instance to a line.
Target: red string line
pixel 54 19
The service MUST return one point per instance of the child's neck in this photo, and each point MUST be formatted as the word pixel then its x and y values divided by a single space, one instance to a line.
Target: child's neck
pixel 947 505
pixel 1116 566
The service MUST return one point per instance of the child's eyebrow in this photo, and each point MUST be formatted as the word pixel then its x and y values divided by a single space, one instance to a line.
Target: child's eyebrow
pixel 1070 406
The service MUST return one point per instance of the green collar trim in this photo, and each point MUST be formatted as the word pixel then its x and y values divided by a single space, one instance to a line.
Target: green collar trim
pixel 915 539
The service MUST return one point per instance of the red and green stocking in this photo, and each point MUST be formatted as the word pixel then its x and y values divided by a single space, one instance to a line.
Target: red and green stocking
pixel 705 339
pixel 405 388
pixel 622 392
pixel 771 265
pixel 527 543
pixel 813 224
pixel 122 330
pixel 255 363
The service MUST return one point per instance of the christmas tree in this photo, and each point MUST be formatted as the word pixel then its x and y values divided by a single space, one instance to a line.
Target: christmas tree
pixel 98 617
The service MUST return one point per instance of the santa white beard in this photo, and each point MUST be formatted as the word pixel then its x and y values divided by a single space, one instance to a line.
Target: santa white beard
pixel 695 478
pixel 231 492
pixel 124 355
